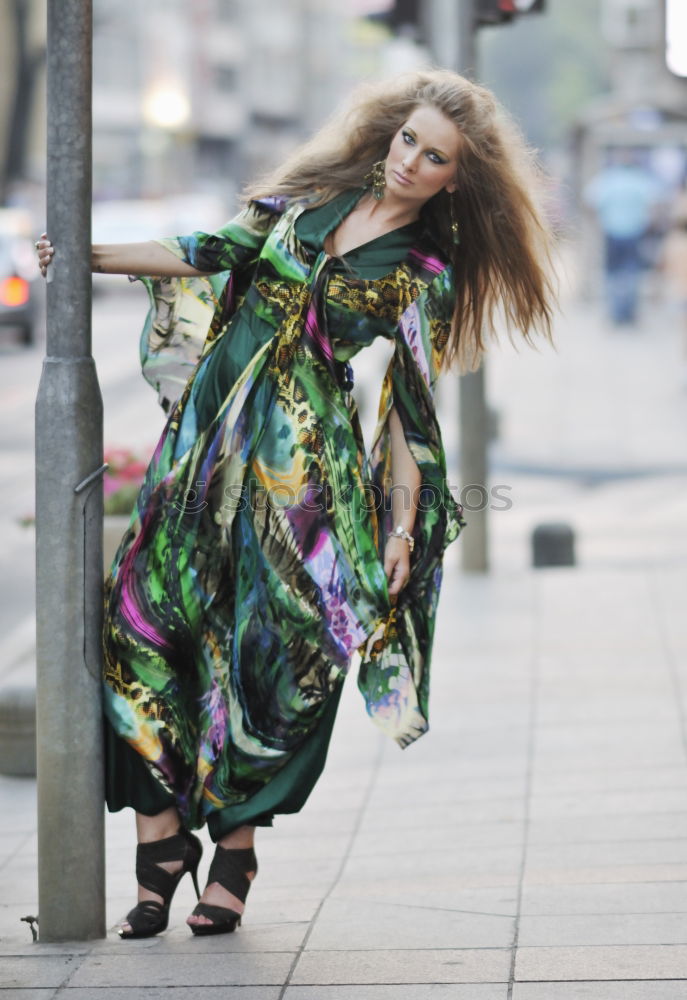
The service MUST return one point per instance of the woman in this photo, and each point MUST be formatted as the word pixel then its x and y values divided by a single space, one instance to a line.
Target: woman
pixel 266 548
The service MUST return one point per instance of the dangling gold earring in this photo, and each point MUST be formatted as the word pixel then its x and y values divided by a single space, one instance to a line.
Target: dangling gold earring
pixel 376 179
pixel 455 229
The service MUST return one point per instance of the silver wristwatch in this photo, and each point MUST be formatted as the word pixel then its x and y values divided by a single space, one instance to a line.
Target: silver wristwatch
pixel 400 532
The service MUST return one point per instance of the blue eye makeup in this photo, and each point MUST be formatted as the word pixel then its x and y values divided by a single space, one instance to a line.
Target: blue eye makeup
pixel 409 140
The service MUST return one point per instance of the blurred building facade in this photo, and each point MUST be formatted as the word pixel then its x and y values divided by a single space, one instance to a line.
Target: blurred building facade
pixel 646 107
pixel 188 95
pixel 644 114
pixel 203 96
pixel 22 100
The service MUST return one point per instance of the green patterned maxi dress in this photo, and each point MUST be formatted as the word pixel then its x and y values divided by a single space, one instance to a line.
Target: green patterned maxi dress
pixel 252 568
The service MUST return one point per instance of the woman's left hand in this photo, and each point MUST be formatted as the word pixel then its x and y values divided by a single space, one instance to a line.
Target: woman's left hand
pixel 45 251
pixel 396 564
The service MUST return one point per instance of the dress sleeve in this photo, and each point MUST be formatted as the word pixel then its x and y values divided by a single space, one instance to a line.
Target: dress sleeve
pixel 187 314
pixel 425 327
pixel 239 241
pixel 394 672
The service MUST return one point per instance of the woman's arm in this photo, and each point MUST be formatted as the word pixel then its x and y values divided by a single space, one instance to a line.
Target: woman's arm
pixel 406 480
pixel 148 259
pixel 239 241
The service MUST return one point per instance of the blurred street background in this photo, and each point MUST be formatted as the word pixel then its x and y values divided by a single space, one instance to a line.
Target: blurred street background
pixel 193 99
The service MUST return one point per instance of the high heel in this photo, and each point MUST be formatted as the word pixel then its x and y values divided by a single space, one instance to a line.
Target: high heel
pixel 229 867
pixel 150 917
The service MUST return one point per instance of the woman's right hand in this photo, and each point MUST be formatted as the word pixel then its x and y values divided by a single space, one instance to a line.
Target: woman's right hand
pixel 45 251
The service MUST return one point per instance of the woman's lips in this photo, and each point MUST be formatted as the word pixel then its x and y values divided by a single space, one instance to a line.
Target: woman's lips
pixel 401 179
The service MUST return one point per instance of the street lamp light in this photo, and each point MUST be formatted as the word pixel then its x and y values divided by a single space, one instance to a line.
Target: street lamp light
pixel 166 106
pixel 166 113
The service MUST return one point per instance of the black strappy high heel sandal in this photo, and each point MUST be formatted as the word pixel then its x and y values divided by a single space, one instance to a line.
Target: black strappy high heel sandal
pixel 150 917
pixel 230 867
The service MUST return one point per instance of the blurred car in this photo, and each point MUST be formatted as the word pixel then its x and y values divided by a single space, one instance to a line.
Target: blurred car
pixel 18 274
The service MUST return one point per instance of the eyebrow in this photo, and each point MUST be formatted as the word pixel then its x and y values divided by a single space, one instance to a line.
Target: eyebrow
pixel 432 149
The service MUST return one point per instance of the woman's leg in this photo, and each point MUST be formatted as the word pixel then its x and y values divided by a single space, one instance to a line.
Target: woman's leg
pixel 152 828
pixel 214 894
pixel 287 792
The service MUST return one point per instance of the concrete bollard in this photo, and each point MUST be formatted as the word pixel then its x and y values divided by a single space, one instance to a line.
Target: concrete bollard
pixel 553 545
pixel 18 731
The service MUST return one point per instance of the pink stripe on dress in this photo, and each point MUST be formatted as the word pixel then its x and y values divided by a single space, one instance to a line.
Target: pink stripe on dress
pixel 312 327
pixel 128 604
pixel 131 614
pixel 432 264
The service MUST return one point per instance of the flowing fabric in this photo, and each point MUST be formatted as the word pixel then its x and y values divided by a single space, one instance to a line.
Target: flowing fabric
pixel 252 569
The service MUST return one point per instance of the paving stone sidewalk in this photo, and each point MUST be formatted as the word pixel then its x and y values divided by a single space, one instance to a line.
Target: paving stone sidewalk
pixel 532 846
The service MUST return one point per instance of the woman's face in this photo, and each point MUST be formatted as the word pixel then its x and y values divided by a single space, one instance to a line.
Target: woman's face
pixel 423 156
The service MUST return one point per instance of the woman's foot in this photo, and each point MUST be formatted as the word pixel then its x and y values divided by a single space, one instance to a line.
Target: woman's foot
pixel 165 852
pixel 220 909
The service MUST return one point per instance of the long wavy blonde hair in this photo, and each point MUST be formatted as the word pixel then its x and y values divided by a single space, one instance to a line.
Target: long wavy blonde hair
pixel 502 263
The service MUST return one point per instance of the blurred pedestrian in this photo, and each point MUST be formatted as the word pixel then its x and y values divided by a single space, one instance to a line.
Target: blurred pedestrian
pixel 266 548
pixel 624 196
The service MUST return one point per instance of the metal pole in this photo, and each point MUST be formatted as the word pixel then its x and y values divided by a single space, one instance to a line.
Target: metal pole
pixel 473 415
pixel 451 31
pixel 474 470
pixel 466 49
pixel 71 869
pixel 442 25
